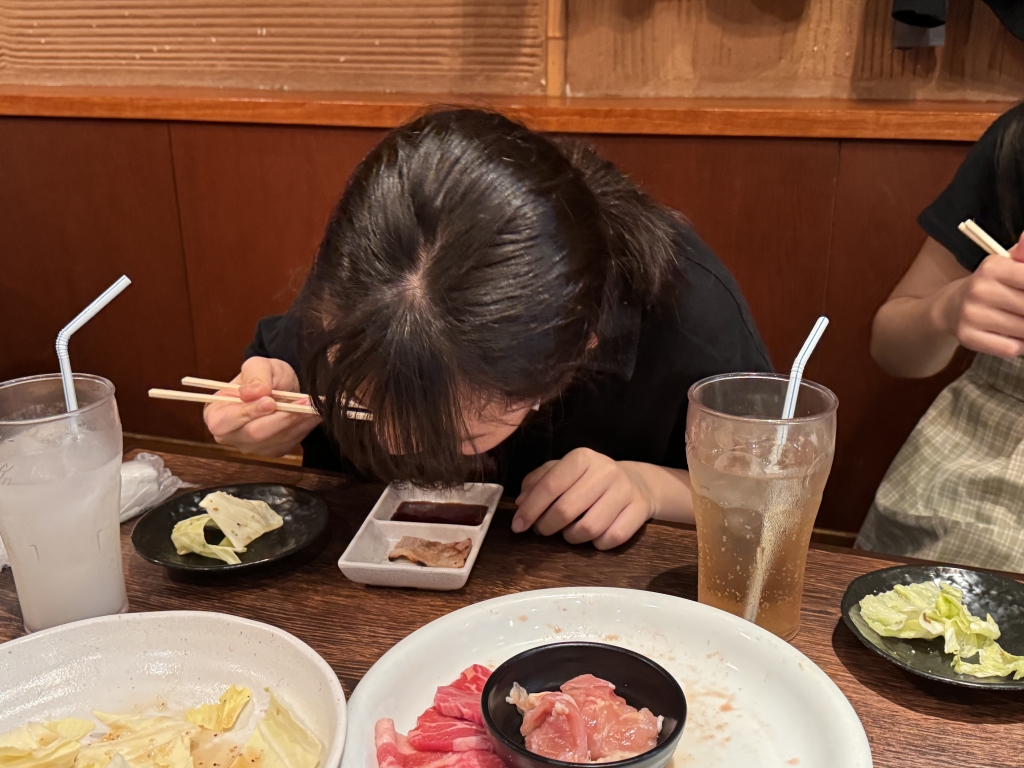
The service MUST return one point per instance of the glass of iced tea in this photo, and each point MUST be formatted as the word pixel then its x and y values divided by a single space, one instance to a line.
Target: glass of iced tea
pixel 757 484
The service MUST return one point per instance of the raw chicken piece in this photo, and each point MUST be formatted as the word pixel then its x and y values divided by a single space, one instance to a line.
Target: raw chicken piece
pixel 615 730
pixel 395 751
pixel 435 732
pixel 552 725
pixel 461 699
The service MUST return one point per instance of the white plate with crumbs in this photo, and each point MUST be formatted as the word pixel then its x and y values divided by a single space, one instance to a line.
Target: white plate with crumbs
pixel 366 560
pixel 165 663
pixel 753 700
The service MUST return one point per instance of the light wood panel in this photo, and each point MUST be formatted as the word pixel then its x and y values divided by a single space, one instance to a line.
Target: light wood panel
pixel 82 202
pixel 783 48
pixel 490 46
pixel 254 202
pixel 882 188
pixel 807 118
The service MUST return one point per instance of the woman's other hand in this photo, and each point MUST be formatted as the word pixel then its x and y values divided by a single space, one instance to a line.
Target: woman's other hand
pixel 986 311
pixel 938 306
pixel 255 425
pixel 587 496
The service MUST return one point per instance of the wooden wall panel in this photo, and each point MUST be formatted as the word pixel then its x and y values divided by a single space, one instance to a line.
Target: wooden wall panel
pixel 781 48
pixel 807 226
pixel 81 202
pixel 477 46
pixel 254 203
pixel 763 205
pixel 882 188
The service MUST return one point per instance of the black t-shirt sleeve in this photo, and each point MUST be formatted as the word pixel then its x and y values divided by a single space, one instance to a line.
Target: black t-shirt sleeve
pixel 277 336
pixel 971 195
pixel 716 334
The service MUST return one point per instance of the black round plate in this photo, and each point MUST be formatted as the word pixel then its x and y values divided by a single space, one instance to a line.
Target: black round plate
pixel 304 513
pixel 640 681
pixel 984 593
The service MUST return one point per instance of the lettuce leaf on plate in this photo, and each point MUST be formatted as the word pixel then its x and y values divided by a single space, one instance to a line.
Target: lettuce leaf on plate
pixel 144 741
pixel 929 610
pixel 35 745
pixel 72 728
pixel 242 520
pixel 279 742
pixel 188 536
pixel 993 661
pixel 222 715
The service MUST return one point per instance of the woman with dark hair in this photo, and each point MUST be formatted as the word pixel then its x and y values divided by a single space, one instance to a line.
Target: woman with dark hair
pixel 955 492
pixel 506 308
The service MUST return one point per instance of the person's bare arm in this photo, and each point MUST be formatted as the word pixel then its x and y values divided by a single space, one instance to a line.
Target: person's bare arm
pixel 938 305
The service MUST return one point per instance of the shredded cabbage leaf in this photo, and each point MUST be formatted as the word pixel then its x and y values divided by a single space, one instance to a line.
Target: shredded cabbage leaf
pixel 35 745
pixel 144 741
pixel 929 610
pixel 72 728
pixel 242 520
pixel 158 741
pixel 188 536
pixel 279 742
pixel 222 715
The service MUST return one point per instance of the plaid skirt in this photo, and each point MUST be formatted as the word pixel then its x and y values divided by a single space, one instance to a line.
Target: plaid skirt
pixel 955 491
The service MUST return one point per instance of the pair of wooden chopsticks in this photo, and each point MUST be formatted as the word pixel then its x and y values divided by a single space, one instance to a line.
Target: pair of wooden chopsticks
pixel 982 239
pixel 356 411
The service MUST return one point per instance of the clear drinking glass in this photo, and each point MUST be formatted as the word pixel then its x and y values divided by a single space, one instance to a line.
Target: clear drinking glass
pixel 757 485
pixel 60 493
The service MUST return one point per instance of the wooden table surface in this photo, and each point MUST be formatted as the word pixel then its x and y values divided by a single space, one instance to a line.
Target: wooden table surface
pixel 909 721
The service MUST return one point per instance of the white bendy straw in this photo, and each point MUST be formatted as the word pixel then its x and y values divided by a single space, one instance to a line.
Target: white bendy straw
pixel 87 314
pixel 778 506
pixel 796 373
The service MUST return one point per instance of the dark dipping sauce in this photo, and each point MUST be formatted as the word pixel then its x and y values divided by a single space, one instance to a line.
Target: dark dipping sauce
pixel 447 513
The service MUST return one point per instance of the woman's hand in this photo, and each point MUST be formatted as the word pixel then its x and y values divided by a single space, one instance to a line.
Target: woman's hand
pixel 255 425
pixel 985 312
pixel 587 496
pixel 938 306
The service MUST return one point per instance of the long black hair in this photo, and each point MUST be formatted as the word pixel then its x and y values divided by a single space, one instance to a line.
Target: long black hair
pixel 468 264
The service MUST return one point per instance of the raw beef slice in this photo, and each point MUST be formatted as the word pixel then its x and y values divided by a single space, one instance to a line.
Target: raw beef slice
pixel 461 699
pixel 435 732
pixel 395 751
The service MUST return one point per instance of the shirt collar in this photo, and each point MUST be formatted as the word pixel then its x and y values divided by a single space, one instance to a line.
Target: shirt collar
pixel 618 337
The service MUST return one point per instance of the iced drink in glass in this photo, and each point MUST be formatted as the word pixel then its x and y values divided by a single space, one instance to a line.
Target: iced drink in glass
pixel 757 485
pixel 60 491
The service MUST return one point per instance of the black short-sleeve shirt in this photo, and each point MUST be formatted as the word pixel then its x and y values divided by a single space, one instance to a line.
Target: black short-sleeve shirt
pixel 971 195
pixel 632 403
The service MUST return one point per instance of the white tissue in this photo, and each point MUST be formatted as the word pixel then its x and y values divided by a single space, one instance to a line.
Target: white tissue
pixel 145 482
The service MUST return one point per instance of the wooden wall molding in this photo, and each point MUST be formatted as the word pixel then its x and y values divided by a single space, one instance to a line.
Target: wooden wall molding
pixel 805 118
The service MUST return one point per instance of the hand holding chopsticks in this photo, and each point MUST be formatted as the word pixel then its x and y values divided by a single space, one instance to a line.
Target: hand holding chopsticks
pixel 982 239
pixel 356 411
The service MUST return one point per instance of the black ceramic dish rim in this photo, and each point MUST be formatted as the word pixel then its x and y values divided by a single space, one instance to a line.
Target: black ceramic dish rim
pixel 848 604
pixel 668 745
pixel 215 568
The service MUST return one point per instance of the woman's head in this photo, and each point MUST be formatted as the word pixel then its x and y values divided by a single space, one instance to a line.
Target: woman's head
pixel 461 280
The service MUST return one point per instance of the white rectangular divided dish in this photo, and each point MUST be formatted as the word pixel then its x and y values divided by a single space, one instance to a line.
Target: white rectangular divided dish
pixel 366 558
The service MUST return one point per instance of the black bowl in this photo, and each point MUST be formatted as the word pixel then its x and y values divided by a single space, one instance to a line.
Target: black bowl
pixel 640 681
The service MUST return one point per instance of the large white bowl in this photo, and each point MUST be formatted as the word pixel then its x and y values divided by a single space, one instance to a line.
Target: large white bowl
pixel 172 661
